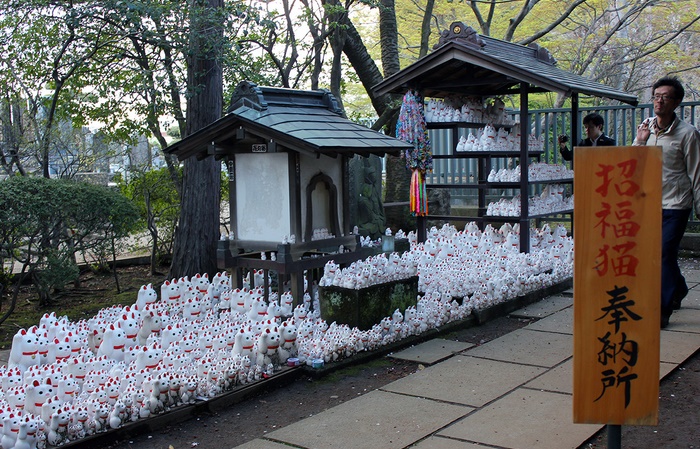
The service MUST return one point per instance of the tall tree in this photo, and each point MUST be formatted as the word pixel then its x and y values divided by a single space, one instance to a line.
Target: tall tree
pixel 541 20
pixel 69 64
pixel 198 231
pixel 48 51
pixel 397 175
pixel 12 135
pixel 624 44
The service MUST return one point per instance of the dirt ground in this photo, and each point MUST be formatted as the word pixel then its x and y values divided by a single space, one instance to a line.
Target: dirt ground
pixel 679 398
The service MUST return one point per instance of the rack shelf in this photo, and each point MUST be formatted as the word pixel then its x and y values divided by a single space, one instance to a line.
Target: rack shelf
pixel 489 154
pixel 497 185
pixel 451 125
pixel 482 185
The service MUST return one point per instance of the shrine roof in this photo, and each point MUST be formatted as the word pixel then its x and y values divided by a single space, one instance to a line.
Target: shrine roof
pixel 467 63
pixel 299 120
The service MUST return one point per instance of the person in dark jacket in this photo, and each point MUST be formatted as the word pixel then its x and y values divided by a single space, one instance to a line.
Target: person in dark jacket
pixel 593 124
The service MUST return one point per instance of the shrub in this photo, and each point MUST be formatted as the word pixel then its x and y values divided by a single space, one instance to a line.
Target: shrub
pixel 158 203
pixel 45 222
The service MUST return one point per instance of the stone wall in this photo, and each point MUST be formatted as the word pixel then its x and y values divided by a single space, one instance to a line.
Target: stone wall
pixel 365 195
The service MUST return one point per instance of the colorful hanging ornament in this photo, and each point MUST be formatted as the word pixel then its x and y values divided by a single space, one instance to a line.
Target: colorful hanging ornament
pixel 419 196
pixel 411 129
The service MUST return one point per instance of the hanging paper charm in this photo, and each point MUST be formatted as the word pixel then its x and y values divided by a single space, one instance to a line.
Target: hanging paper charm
pixel 411 129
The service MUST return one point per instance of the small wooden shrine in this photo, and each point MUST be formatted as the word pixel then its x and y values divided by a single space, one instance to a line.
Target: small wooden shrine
pixel 467 64
pixel 287 154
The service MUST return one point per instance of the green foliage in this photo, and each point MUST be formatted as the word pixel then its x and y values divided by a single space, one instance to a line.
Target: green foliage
pixel 105 213
pixel 5 280
pixel 45 222
pixel 118 64
pixel 57 269
pixel 620 44
pixel 225 189
pixel 158 204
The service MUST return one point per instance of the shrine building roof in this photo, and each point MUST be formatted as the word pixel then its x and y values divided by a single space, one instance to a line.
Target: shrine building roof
pixel 466 63
pixel 306 121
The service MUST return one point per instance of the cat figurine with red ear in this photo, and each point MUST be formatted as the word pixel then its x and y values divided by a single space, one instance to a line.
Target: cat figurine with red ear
pixel 258 310
pixel 114 343
pixel 36 394
pixel 244 342
pixel 152 323
pixel 58 427
pixel 27 435
pixel 170 292
pixel 288 341
pixel 25 350
pixel 266 347
pixel 146 295
pixel 10 430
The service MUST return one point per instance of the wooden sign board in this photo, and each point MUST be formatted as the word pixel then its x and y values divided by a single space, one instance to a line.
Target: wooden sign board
pixel 617 284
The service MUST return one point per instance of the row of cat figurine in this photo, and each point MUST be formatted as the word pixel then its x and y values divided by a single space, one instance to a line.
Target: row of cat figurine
pixel 470 110
pixel 231 338
pixel 550 201
pixel 537 171
pixel 489 138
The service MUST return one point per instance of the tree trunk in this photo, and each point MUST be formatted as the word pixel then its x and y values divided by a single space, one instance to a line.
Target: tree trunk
pixel 197 234
pixel 115 272
pixel 337 41
pixel 425 29
pixel 364 66
pixel 389 37
pixel 18 279
pixel 398 178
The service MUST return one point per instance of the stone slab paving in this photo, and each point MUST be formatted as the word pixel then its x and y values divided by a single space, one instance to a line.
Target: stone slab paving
pixel 262 444
pixel 544 308
pixel 465 380
pixel 437 442
pixel 562 322
pixel 685 320
pixel 432 351
pixel 693 299
pixel 524 419
pixel 558 379
pixel 678 346
pixel 526 346
pixel 376 419
pixel 691 276
pixel 666 368
pixel 513 392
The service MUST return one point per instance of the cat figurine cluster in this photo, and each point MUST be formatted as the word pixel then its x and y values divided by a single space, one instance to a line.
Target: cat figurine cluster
pixel 67 380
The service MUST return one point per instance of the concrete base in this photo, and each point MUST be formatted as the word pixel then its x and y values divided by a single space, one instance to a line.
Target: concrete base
pixel 366 307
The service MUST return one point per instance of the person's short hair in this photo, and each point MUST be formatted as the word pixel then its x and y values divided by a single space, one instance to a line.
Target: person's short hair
pixel 594 118
pixel 673 82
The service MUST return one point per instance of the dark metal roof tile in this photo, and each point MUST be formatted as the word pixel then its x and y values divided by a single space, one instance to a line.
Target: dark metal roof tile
pixel 467 63
pixel 298 120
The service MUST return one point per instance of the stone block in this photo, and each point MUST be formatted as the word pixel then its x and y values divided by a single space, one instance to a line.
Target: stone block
pixel 366 307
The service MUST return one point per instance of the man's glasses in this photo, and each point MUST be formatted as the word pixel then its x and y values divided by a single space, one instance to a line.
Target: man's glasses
pixel 663 98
